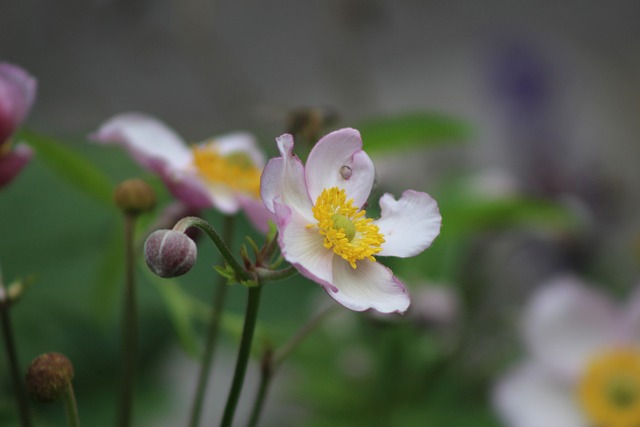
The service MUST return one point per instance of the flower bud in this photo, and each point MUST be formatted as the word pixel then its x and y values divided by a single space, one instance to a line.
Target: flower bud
pixel 134 196
pixel 49 376
pixel 169 253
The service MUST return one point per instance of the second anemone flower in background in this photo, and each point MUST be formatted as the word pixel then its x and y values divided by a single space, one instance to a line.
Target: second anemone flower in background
pixel 323 228
pixel 223 172
pixel 17 93
pixel 583 368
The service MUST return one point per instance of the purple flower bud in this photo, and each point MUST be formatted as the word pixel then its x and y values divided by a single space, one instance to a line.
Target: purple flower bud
pixel 49 376
pixel 170 253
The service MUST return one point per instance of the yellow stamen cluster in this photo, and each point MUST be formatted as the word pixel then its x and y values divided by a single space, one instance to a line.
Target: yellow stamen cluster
pixel 609 390
pixel 236 170
pixel 346 230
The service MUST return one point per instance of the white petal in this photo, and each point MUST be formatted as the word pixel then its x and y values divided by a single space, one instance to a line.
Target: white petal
pixel 337 160
pixel 283 179
pixel 629 328
pixel 302 246
pixel 152 143
pixel 370 285
pixel 565 323
pixel 529 396
pixel 409 225
pixel 243 142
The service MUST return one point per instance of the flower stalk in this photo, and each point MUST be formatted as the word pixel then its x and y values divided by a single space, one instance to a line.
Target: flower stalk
pixel 244 351
pixel 71 408
pixel 212 335
pixel 12 357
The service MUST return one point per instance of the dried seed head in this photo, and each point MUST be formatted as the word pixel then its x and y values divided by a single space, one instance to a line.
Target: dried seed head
pixel 49 376
pixel 134 196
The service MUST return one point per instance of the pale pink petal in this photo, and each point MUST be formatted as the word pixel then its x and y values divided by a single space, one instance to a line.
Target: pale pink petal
pixel 565 323
pixel 12 163
pixel 283 178
pixel 370 285
pixel 239 142
pixel 337 160
pixel 530 396
pixel 17 93
pixel 150 142
pixel 302 246
pixel 629 327
pixel 257 213
pixel 409 225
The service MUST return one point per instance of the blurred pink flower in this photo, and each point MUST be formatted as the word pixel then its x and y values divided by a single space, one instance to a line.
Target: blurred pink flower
pixel 17 93
pixel 323 230
pixel 583 368
pixel 223 172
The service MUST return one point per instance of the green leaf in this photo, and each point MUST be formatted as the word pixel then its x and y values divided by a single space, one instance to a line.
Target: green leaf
pixel 71 166
pixel 411 130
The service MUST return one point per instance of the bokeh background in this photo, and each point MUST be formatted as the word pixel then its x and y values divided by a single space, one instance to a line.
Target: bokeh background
pixel 529 115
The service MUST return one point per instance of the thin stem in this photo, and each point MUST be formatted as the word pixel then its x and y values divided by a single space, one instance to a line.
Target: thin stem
pixel 302 333
pixel 212 335
pixel 14 367
pixel 266 373
pixel 251 316
pixel 267 275
pixel 193 221
pixel 70 407
pixel 129 327
pixel 271 362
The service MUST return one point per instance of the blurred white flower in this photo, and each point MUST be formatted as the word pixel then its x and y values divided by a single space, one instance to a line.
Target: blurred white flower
pixel 583 368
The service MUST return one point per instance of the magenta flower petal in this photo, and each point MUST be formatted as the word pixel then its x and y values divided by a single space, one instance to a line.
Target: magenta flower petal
pixel 12 163
pixel 370 285
pixel 337 160
pixel 409 225
pixel 17 93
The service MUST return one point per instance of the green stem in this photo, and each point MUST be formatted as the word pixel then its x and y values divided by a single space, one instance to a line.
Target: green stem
pixel 70 407
pixel 251 316
pixel 212 335
pixel 267 275
pixel 266 373
pixel 14 367
pixel 271 362
pixel 192 221
pixel 129 327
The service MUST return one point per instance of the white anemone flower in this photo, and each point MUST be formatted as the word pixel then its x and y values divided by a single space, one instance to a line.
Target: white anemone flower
pixel 583 368
pixel 323 228
pixel 221 172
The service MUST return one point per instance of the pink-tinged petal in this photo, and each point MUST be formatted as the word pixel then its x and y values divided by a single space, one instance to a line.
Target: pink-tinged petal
pixel 302 246
pixel 239 142
pixel 150 142
pixel 186 187
pixel 257 213
pixel 370 285
pixel 337 160
pixel 283 178
pixel 565 323
pixel 12 163
pixel 629 327
pixel 409 225
pixel 17 93
pixel 530 396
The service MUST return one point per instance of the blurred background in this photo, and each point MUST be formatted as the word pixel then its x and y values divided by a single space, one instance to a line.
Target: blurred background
pixel 519 118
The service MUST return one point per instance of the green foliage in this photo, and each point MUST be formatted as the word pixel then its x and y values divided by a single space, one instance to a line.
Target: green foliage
pixel 71 166
pixel 411 130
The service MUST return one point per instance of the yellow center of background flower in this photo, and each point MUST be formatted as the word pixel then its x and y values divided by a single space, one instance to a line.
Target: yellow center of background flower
pixel 609 390
pixel 346 230
pixel 236 170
